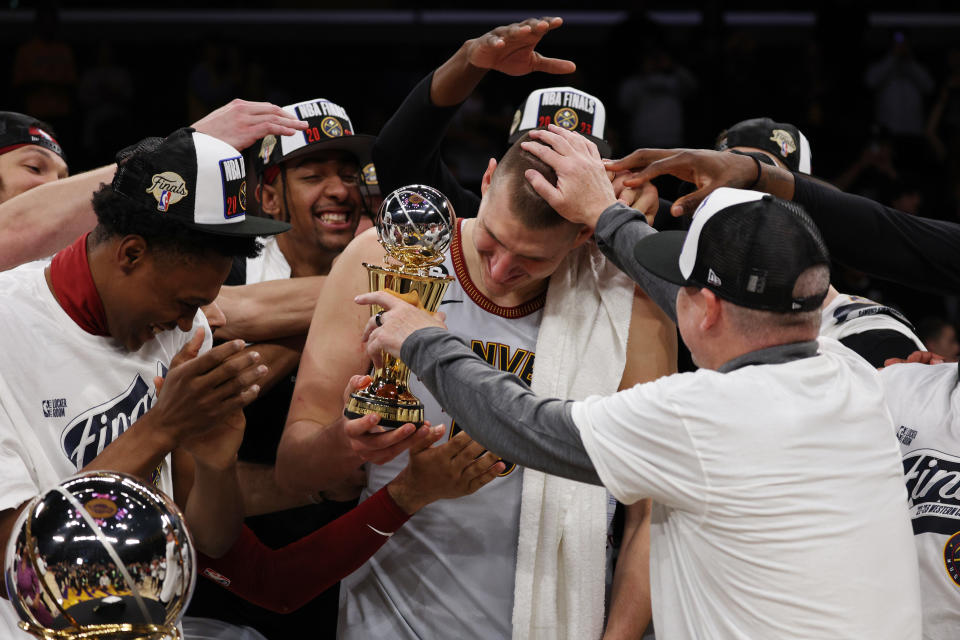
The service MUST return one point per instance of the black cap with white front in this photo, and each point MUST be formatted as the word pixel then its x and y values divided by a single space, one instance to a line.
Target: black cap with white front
pixel 747 247
pixel 328 128
pixel 565 107
pixel 195 179
pixel 17 130
pixel 780 139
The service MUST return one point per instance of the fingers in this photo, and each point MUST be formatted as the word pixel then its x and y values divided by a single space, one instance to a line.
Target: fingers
pixel 380 298
pixel 198 365
pixel 190 350
pixel 687 205
pixel 428 436
pixel 543 187
pixel 483 471
pixel 356 383
pixel 556 66
pixel 639 159
pixel 231 368
pixel 550 154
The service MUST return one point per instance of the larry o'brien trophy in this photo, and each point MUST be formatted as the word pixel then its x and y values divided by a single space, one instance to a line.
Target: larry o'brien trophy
pixel 416 224
pixel 100 556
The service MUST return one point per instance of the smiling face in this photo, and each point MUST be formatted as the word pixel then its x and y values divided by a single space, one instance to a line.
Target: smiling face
pixel 322 200
pixel 27 167
pixel 157 292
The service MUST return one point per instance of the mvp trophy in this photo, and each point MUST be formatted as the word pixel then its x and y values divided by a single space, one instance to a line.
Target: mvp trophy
pixel 416 224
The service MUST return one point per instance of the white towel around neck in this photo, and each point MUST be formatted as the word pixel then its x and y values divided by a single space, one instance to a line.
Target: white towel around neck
pixel 561 556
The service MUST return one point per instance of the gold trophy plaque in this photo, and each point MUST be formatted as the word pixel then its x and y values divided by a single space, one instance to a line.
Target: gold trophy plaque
pixel 416 224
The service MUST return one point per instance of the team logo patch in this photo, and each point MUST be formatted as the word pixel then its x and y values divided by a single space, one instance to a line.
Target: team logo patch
pixel 369 173
pixel 566 118
pixel 101 508
pixel 168 188
pixel 54 407
pixel 951 557
pixel 242 195
pixel 331 127
pixel 266 148
pixel 785 141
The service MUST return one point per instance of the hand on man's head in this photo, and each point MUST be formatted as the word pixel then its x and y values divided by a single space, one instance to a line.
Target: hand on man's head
pixel 583 189
pixel 240 123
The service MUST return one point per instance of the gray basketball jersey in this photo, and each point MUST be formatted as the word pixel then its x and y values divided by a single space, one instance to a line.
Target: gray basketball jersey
pixel 449 572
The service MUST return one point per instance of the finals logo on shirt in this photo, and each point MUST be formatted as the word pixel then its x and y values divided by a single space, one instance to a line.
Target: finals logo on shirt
pixel 933 487
pixel 88 434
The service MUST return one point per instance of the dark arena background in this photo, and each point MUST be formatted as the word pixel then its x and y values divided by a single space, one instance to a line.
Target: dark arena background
pixel 671 74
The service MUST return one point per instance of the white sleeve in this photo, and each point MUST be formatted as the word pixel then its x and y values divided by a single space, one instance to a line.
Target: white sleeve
pixel 639 442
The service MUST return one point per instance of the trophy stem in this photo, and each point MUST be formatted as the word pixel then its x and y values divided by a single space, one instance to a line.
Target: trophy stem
pixel 388 395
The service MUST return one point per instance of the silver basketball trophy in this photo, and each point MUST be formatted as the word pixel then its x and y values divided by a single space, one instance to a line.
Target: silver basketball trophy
pixel 102 555
pixel 416 224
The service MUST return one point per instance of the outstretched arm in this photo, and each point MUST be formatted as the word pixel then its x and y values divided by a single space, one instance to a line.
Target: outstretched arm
pixel 41 221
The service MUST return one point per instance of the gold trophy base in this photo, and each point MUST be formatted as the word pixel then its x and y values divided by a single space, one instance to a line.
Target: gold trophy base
pixel 105 632
pixel 393 412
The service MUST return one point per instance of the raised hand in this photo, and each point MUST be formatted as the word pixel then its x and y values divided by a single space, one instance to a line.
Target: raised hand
pixel 511 49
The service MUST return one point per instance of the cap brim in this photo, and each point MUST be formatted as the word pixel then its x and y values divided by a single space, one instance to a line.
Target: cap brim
pixel 252 226
pixel 360 145
pixel 659 253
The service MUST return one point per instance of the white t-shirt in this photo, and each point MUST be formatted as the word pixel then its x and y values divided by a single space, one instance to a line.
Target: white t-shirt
pixel 778 499
pixel 924 401
pixel 271 264
pixel 65 394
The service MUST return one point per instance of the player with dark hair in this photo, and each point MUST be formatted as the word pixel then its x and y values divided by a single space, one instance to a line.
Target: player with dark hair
pixel 116 313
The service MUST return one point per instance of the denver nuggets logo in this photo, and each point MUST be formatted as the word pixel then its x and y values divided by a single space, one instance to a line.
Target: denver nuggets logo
pixel 566 118
pixel 168 188
pixel 266 148
pixel 331 127
pixel 951 557
pixel 369 173
pixel 242 195
pixel 785 140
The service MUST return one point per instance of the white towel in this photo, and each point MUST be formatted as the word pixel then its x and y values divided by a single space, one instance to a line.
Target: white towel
pixel 561 555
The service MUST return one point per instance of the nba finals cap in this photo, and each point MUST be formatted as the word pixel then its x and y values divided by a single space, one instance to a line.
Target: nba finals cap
pixel 747 247
pixel 328 127
pixel 17 130
pixel 565 107
pixel 195 179
pixel 784 141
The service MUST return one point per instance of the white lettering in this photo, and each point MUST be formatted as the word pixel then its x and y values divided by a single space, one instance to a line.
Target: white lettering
pixel 309 110
pixel 551 98
pixel 330 109
pixel 233 169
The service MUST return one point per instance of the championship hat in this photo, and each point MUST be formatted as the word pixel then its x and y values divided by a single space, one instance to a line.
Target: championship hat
pixel 328 127
pixel 781 139
pixel 747 247
pixel 195 179
pixel 565 107
pixel 17 130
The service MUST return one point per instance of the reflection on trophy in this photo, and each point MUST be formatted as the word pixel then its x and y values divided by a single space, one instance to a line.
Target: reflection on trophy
pixel 102 555
pixel 416 224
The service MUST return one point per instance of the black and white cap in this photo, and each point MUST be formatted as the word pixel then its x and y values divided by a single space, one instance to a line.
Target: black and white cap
pixel 781 139
pixel 565 107
pixel 328 127
pixel 747 247
pixel 195 179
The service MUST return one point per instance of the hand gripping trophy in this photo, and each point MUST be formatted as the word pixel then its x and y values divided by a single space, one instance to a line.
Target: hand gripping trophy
pixel 416 224
pixel 102 555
